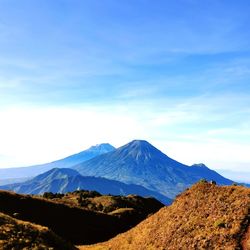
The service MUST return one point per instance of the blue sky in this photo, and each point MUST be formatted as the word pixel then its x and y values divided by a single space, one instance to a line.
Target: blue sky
pixel 77 73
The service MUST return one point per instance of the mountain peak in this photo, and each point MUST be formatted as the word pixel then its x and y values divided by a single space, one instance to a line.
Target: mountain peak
pixel 57 173
pixel 199 165
pixel 103 147
pixel 140 150
pixel 138 141
pixel 140 144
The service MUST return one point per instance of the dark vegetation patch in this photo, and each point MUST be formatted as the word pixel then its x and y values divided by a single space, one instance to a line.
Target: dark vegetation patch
pixel 115 205
pixel 70 219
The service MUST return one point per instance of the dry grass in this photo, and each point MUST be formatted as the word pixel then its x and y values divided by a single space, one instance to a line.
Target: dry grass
pixel 121 211
pixel 71 223
pixel 205 216
pixel 109 203
pixel 17 234
pixel 130 209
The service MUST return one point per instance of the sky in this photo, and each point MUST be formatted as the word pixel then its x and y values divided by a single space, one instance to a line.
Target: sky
pixel 173 72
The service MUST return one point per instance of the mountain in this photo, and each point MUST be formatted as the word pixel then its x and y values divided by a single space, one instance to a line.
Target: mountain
pixel 78 222
pixel 62 180
pixel 67 162
pixel 138 162
pixel 206 216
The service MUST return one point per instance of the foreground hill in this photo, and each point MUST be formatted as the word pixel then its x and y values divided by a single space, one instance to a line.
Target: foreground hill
pixel 24 172
pixel 17 234
pixel 67 180
pixel 138 162
pixel 81 217
pixel 205 216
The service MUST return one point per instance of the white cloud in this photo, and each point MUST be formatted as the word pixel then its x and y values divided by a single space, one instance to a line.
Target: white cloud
pixel 216 155
pixel 43 134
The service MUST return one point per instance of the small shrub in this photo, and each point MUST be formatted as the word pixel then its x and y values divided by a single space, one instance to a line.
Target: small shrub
pixel 87 194
pixel 220 223
pixel 202 181
pixel 50 195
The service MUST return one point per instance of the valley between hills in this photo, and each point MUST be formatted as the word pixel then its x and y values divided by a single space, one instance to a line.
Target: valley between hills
pixel 133 197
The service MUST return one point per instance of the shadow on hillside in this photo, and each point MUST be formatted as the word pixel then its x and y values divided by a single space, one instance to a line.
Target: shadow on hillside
pixel 74 224
pixel 77 225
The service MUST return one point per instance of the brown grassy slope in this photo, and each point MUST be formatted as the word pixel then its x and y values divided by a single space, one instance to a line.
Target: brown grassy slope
pixel 16 234
pixel 75 224
pixel 205 216
pixel 71 223
pixel 108 203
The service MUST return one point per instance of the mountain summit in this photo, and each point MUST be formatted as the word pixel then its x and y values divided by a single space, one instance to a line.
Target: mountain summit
pixel 101 148
pixel 55 174
pixel 140 151
pixel 139 162
pixel 62 163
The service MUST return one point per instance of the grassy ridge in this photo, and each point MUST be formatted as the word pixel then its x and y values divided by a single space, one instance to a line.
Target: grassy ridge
pixel 16 234
pixel 205 216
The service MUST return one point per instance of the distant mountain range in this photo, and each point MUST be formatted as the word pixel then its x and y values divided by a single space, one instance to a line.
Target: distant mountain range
pixel 65 180
pixel 26 172
pixel 136 168
pixel 138 162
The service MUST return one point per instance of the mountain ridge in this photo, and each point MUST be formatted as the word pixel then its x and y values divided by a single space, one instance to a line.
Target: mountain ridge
pixel 62 180
pixel 66 162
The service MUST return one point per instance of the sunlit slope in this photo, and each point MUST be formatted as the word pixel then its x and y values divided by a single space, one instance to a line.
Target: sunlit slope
pixel 205 216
